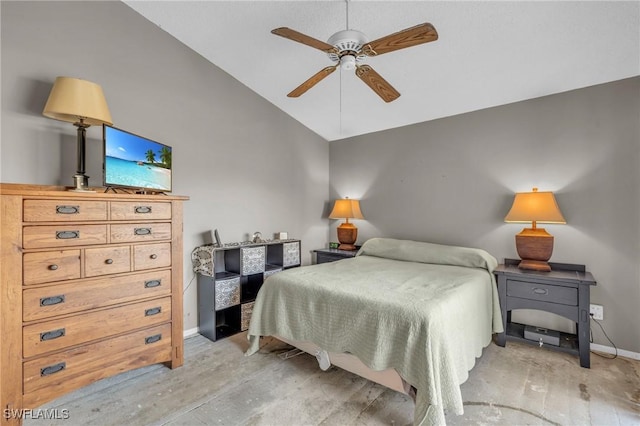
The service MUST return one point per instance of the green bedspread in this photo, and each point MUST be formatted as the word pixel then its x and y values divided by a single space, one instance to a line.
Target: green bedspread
pixel 426 310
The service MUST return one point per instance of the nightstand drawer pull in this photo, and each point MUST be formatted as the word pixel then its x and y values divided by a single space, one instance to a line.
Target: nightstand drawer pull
pixel 540 291
pixel 142 231
pixel 152 283
pixel 53 267
pixel 152 311
pixel 67 209
pixel 50 335
pixel 143 209
pixel 67 235
pixel 52 369
pixel 109 261
pixel 152 339
pixel 53 300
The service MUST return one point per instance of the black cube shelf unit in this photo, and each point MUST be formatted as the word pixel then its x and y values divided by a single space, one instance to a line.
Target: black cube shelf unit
pixel 225 301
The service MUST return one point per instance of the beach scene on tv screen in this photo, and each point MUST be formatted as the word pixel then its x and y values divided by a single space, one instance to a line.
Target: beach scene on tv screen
pixel 134 161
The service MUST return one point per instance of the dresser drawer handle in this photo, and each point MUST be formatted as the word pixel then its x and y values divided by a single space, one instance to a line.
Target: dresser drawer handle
pixel 142 231
pixel 152 311
pixel 142 209
pixel 152 283
pixel 53 267
pixel 540 291
pixel 108 261
pixel 154 256
pixel 152 339
pixel 52 369
pixel 67 235
pixel 67 209
pixel 50 335
pixel 53 300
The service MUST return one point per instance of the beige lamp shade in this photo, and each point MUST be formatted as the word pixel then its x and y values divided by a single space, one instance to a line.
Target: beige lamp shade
pixel 534 245
pixel 347 232
pixel 72 99
pixel 535 207
pixel 346 209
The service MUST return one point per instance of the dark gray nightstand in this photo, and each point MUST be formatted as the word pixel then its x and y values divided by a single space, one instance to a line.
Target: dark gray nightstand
pixel 563 291
pixel 331 255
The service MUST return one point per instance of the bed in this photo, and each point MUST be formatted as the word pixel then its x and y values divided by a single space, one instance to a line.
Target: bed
pixel 420 311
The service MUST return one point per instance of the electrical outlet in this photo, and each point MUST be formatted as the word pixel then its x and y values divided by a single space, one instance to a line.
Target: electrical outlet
pixel 596 311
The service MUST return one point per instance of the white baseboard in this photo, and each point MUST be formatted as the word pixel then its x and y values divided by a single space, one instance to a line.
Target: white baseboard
pixel 190 332
pixel 612 351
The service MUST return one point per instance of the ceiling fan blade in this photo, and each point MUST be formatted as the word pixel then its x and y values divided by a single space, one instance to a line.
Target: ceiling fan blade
pixel 315 79
pixel 413 36
pixel 303 38
pixel 377 83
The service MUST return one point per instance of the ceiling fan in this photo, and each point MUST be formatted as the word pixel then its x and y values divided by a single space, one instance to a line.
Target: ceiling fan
pixel 348 48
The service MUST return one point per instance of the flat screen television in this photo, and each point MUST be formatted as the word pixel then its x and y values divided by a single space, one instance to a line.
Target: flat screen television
pixel 131 161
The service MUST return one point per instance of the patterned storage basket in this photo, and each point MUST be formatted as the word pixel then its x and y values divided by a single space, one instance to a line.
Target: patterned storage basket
pixel 227 293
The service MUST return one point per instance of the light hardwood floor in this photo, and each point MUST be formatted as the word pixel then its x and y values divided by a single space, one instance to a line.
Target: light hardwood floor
pixel 516 385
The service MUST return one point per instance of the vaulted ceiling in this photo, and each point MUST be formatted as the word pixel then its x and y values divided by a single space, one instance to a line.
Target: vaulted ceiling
pixel 488 53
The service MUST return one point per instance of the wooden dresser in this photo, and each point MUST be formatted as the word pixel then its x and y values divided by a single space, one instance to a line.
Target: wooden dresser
pixel 91 287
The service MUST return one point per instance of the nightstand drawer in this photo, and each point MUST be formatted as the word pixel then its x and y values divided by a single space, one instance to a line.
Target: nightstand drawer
pixel 542 292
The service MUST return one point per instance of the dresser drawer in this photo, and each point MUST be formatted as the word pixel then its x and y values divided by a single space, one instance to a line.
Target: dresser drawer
pixel 106 260
pixel 542 292
pixel 64 211
pixel 61 333
pixel 128 233
pixel 46 302
pixel 149 256
pixel 74 368
pixel 140 210
pixel 51 266
pixel 291 254
pixel 227 293
pixel 63 235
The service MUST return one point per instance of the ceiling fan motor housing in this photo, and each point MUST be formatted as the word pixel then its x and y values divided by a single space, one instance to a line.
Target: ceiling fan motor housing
pixel 349 45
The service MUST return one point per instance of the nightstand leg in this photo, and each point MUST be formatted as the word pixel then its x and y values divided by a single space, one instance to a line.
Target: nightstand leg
pixel 584 326
pixel 501 338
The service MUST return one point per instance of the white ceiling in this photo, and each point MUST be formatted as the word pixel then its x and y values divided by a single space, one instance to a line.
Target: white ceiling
pixel 488 53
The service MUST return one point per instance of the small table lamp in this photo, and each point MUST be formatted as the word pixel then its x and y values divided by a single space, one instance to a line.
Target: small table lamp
pixel 82 103
pixel 347 232
pixel 534 245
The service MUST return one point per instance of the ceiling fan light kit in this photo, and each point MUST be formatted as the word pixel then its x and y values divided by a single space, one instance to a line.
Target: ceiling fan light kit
pixel 349 48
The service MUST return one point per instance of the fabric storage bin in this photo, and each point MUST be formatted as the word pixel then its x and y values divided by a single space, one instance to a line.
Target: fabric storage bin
pixel 245 315
pixel 291 254
pixel 227 293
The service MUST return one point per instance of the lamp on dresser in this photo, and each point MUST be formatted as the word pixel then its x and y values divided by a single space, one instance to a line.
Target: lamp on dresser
pixel 534 245
pixel 347 232
pixel 82 103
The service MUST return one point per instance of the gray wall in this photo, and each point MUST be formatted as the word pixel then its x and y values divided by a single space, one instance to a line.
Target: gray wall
pixel 246 166
pixel 452 181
